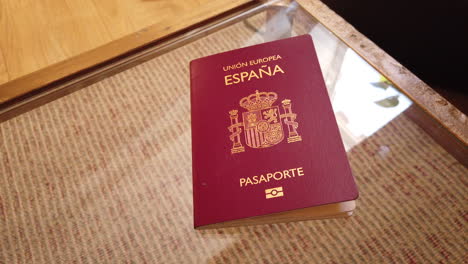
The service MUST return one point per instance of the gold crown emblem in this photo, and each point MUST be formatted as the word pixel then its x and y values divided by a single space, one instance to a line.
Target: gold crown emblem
pixel 258 100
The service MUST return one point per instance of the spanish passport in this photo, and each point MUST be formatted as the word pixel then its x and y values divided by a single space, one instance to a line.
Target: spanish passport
pixel 265 143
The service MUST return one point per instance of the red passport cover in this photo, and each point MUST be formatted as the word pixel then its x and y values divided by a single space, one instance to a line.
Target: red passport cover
pixel 264 136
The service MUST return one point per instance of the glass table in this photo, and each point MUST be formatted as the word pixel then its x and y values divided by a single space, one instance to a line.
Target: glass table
pixel 103 175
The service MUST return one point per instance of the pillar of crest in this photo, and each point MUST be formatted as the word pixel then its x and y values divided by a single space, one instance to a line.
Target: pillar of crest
pixel 236 131
pixel 289 120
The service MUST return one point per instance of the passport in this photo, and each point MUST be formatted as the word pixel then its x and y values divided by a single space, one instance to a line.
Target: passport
pixel 265 143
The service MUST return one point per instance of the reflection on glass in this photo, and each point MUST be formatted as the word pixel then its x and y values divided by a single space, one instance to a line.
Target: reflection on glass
pixel 363 100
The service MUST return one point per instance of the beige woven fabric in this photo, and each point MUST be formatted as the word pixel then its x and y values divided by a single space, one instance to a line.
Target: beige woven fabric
pixel 104 176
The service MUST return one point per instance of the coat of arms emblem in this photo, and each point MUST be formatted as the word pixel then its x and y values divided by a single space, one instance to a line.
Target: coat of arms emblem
pixel 262 122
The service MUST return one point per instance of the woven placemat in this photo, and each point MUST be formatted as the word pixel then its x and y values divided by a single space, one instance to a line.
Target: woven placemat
pixel 104 176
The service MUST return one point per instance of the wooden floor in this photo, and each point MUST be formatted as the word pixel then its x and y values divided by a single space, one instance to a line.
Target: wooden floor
pixel 42 41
